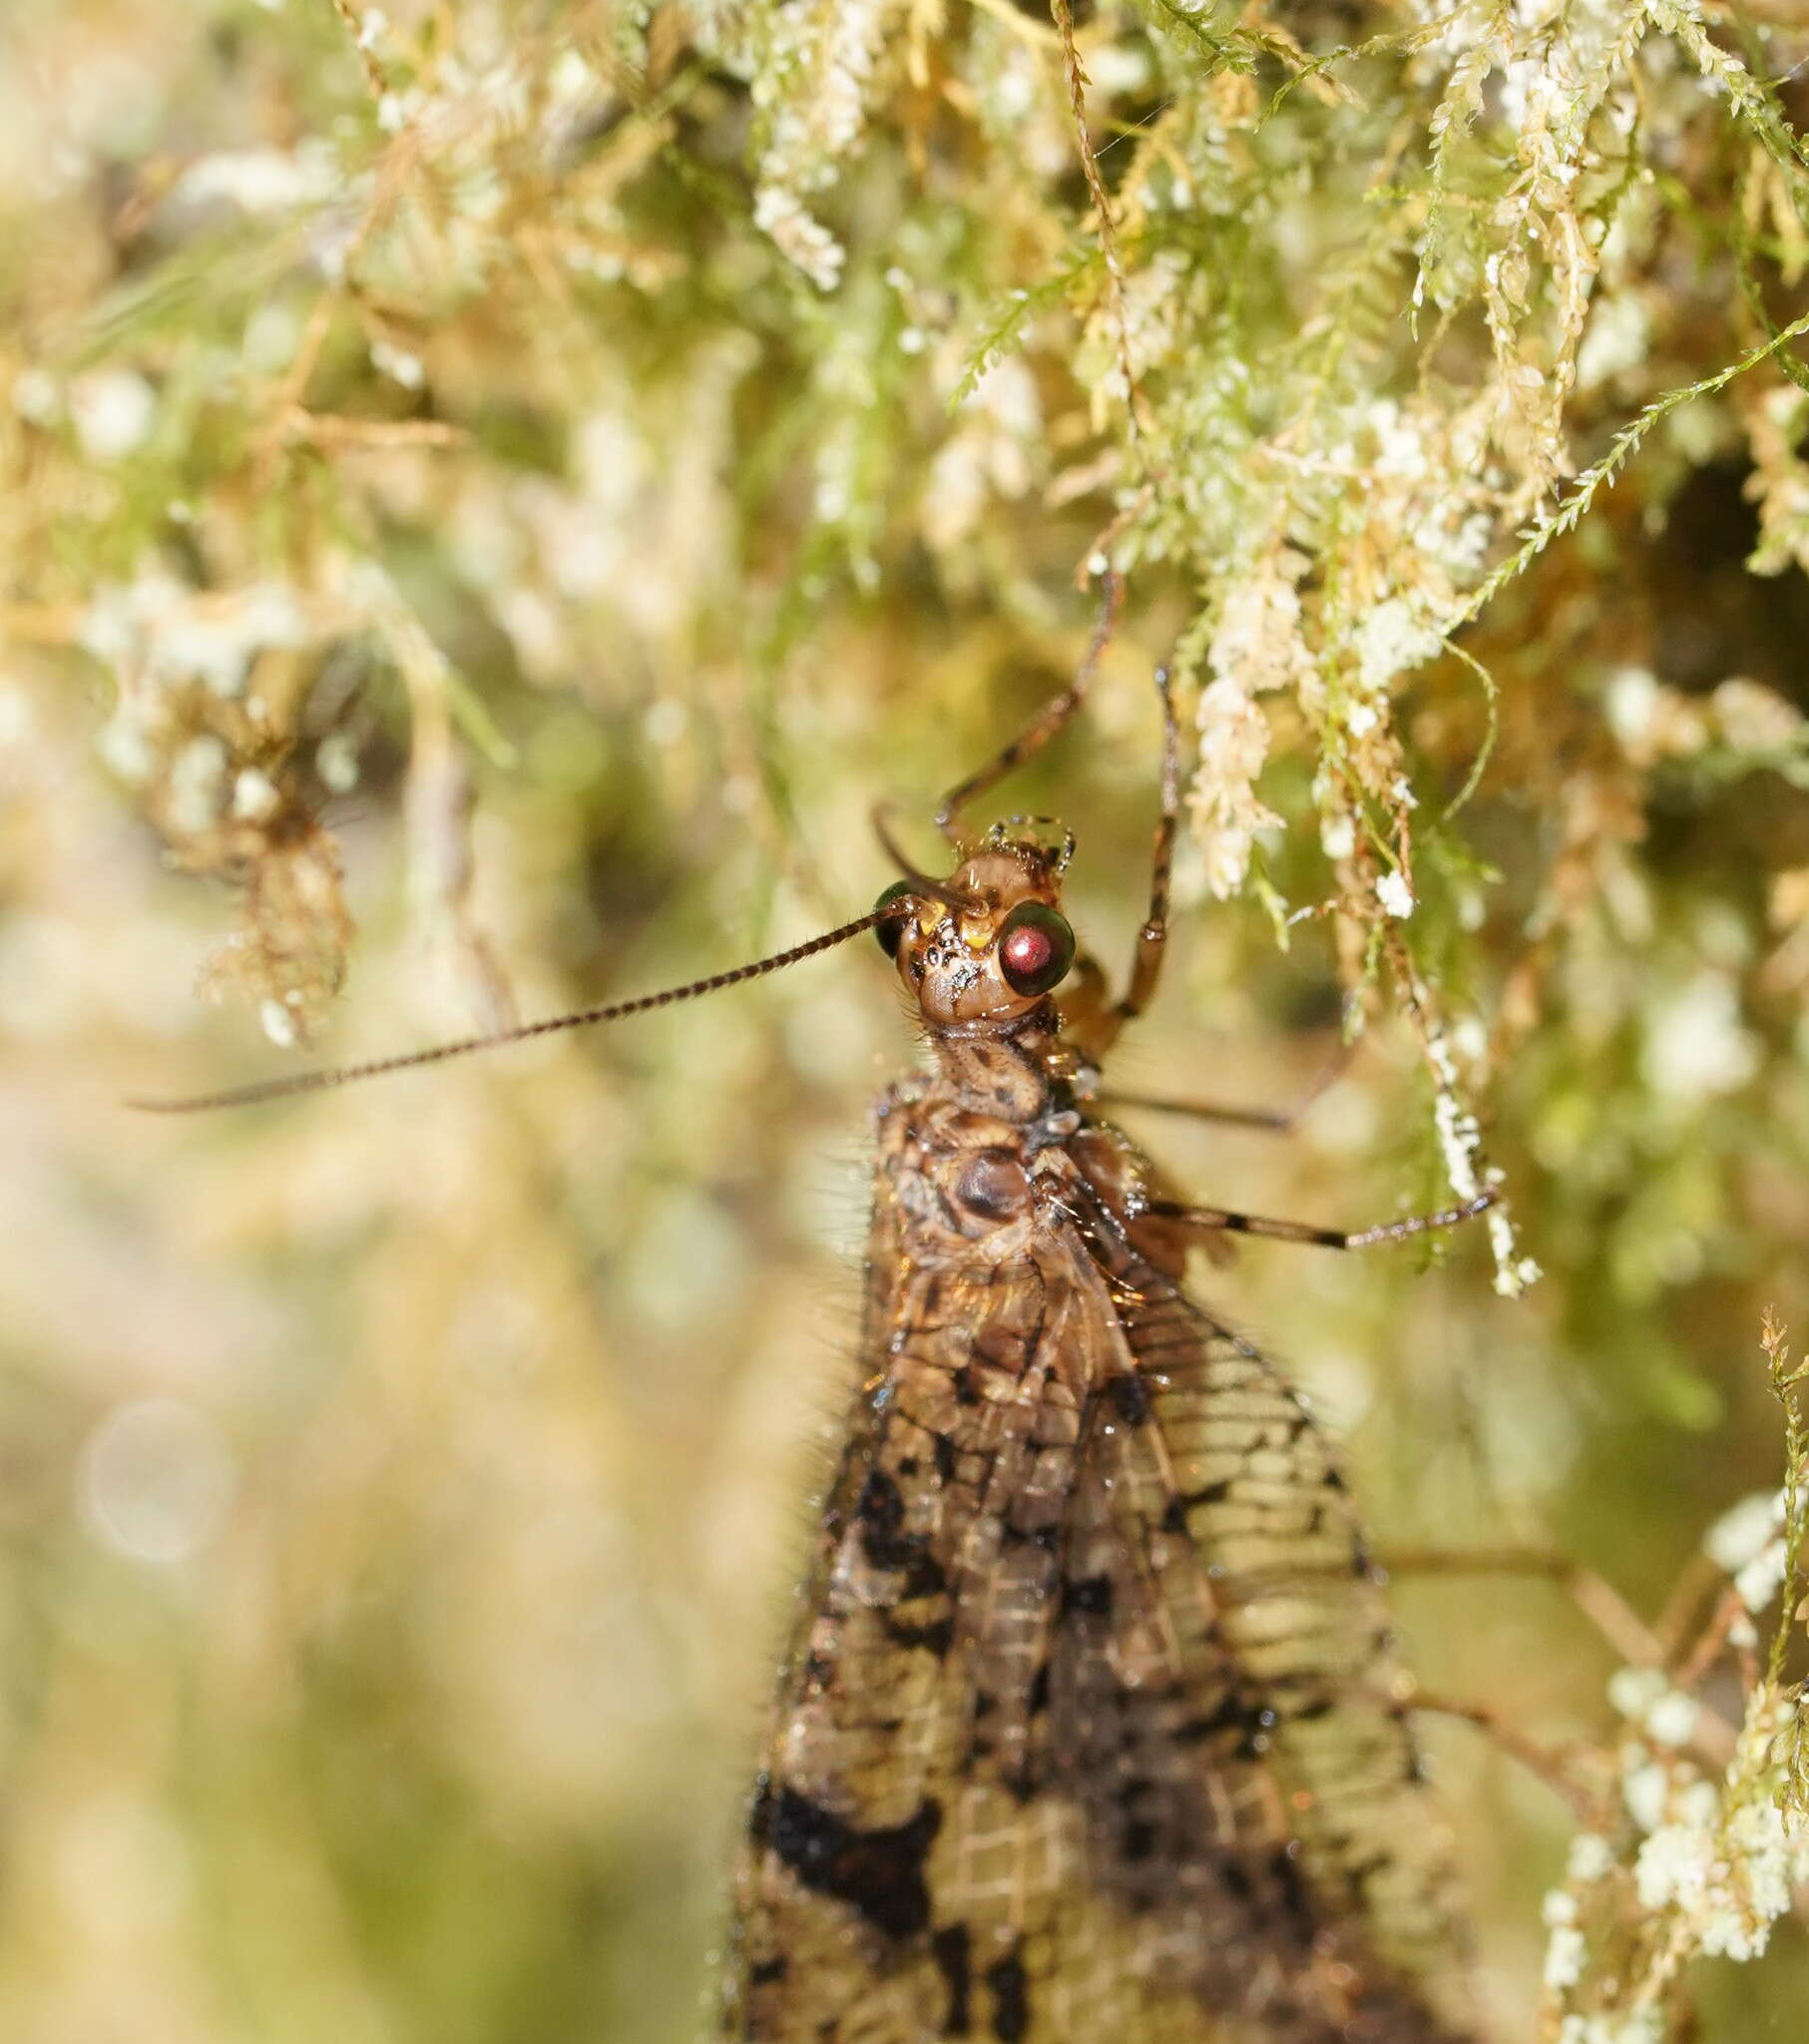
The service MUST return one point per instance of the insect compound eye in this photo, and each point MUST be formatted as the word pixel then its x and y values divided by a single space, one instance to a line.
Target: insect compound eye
pixel 891 932
pixel 1036 948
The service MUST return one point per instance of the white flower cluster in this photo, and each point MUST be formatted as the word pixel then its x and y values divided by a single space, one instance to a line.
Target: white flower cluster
pixel 1750 717
pixel 1644 1698
pixel 113 411
pixel 1615 339
pixel 1732 1881
pixel 1590 1859
pixel 812 86
pixel 1233 743
pixel 797 231
pixel 1653 722
pixel 198 785
pixel 1256 645
pixel 157 634
pixel 1566 1949
pixel 1392 639
pixel 1726 1859
pixel 1749 1543
pixel 1643 2026
pixel 1697 1046
pixel 1394 893
pixel 162 628
pixel 1154 311
pixel 988 457
pixel 261 180
pixel 1717 1865
pixel 1258 637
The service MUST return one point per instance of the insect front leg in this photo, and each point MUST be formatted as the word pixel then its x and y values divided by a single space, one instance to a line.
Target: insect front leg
pixel 1043 727
pixel 1089 1019
pixel 1221 1221
pixel 1152 938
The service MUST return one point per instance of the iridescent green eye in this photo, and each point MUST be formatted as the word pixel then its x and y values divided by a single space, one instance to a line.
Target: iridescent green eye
pixel 1036 948
pixel 891 932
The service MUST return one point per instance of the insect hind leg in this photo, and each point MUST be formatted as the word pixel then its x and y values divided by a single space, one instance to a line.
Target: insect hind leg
pixel 1223 1220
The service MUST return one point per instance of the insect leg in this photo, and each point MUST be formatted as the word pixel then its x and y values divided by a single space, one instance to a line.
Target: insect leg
pixel 1276 1120
pixel 1279 1121
pixel 1564 1769
pixel 1603 1606
pixel 1152 938
pixel 1043 727
pixel 1220 1220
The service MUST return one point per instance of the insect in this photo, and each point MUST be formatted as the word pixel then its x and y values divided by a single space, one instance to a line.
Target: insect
pixel 1090 1726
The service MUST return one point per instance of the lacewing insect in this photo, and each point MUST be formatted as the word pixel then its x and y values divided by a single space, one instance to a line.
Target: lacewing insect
pixel 1089 1727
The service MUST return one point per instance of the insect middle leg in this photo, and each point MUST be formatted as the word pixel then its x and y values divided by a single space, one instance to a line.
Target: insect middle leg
pixel 1279 1121
pixel 1221 1221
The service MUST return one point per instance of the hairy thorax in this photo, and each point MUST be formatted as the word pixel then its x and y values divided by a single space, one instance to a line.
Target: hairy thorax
pixel 973 1183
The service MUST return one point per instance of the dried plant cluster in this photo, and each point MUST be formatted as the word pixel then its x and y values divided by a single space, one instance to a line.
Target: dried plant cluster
pixel 1696 1848
pixel 612 445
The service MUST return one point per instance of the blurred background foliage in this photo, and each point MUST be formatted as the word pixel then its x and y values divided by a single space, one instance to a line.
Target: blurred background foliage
pixel 492 494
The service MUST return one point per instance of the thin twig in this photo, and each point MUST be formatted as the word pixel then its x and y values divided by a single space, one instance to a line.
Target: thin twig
pixel 1551 1764
pixel 1109 241
pixel 354 27
pixel 1599 1600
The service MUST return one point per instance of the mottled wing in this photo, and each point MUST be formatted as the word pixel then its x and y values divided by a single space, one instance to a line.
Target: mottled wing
pixel 1238 1685
pixel 899 1815
pixel 1066 1747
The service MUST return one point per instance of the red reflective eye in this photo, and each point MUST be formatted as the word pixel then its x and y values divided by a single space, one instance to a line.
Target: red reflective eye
pixel 1036 948
pixel 1027 953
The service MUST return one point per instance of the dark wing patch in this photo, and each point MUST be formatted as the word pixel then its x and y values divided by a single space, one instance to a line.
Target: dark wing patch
pixel 902 1842
pixel 1069 1746
pixel 1302 1614
pixel 879 1873
pixel 1258 1605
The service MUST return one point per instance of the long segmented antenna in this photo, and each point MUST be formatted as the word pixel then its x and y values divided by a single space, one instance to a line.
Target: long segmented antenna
pixel 614 1011
pixel 920 881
